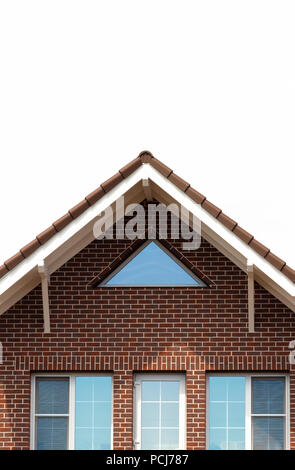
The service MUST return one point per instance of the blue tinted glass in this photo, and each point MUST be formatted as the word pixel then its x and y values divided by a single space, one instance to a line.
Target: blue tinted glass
pixel 52 396
pixel 227 412
pixel 218 415
pixel 170 391
pixel 93 412
pixel 218 439
pixel 169 415
pixel 152 266
pixel 150 439
pixel 169 439
pixel 150 390
pixel 236 439
pixel 150 415
pixel 52 433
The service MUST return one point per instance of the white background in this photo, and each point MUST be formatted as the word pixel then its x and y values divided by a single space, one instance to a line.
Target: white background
pixel 207 86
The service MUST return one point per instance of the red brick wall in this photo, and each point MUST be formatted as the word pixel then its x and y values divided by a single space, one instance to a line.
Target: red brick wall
pixel 126 330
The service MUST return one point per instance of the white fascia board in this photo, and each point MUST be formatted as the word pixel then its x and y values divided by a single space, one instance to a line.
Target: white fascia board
pixel 196 209
pixel 74 227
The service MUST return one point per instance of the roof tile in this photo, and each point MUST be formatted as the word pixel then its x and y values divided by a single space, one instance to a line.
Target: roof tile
pixel 163 169
pixel 211 208
pixel 259 247
pixel 61 223
pixel 93 197
pixel 275 261
pixel 28 249
pixel 130 167
pixel 195 195
pixel 227 221
pixel 44 236
pixel 14 260
pixel 3 270
pixel 179 182
pixel 79 209
pixel 289 272
pixel 112 182
pixel 242 234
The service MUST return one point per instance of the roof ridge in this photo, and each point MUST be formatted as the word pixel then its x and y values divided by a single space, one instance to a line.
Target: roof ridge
pixel 146 157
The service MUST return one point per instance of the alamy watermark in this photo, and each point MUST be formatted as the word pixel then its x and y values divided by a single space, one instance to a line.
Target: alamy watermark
pixel 292 353
pixel 144 222
pixel 1 353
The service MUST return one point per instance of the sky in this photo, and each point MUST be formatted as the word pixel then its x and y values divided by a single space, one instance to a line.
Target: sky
pixel 207 86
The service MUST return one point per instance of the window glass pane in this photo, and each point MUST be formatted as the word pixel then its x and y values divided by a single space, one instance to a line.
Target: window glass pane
pixel 170 391
pixel 152 266
pixel 150 390
pixel 160 414
pixel 227 412
pixel 93 412
pixel 52 433
pixel 218 439
pixel 52 396
pixel 268 433
pixel 150 439
pixel 169 415
pixel 236 439
pixel 169 439
pixel 150 415
pixel 268 395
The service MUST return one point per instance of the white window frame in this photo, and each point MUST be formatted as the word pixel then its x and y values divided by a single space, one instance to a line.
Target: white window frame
pixel 71 414
pixel 138 379
pixel 248 404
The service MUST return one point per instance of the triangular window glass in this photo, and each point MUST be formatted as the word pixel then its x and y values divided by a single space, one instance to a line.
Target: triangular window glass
pixel 152 265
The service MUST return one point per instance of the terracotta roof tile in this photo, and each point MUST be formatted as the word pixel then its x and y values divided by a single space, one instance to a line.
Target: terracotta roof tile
pixel 211 208
pixel 44 236
pixel 3 270
pixel 195 195
pixel 289 272
pixel 130 167
pixel 112 182
pixel 259 248
pixel 227 221
pixel 163 169
pixel 275 261
pixel 62 222
pixel 28 249
pixel 79 208
pixel 14 260
pixel 92 198
pixel 179 182
pixel 242 234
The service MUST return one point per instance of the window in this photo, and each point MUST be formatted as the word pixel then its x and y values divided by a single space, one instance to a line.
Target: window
pixel 247 412
pixel 152 265
pixel 72 412
pixel 159 412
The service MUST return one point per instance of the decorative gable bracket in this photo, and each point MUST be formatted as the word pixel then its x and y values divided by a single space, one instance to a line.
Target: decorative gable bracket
pixel 45 297
pixel 251 300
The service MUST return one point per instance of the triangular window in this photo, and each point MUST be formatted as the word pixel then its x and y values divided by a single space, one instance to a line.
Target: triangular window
pixel 152 265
